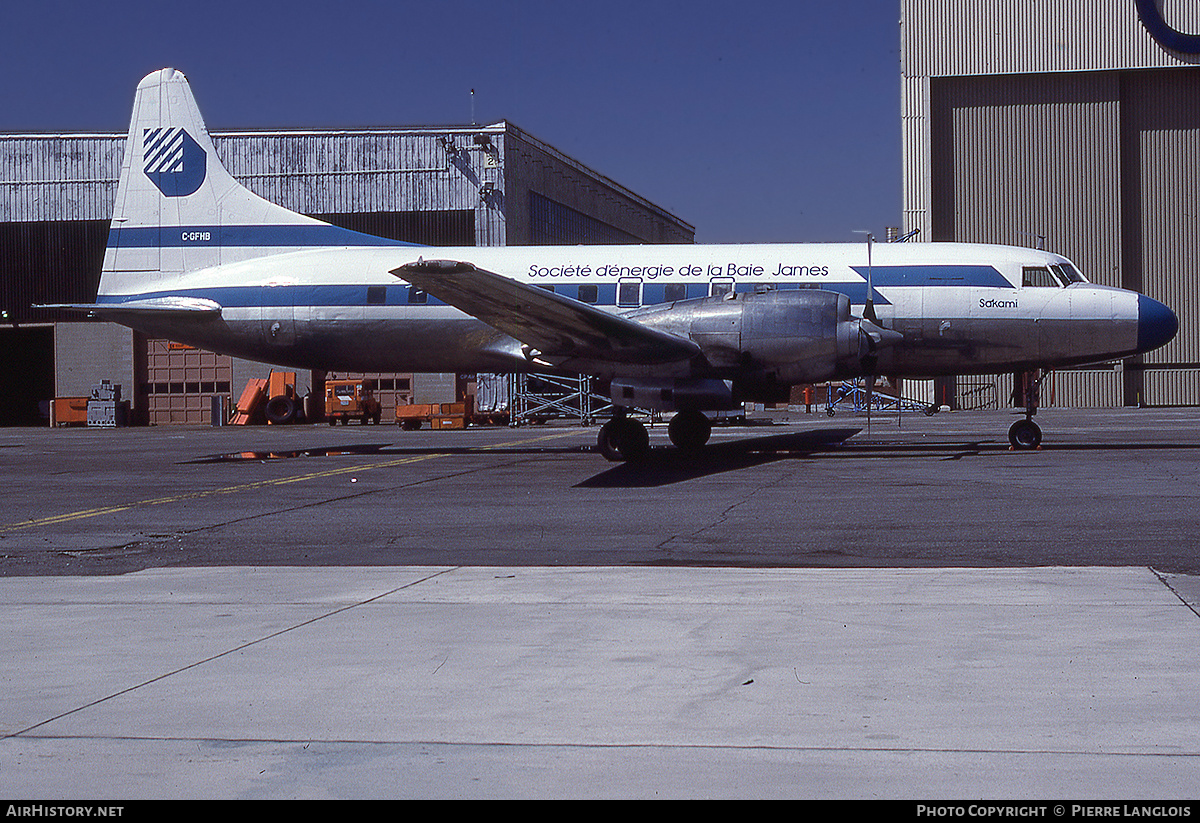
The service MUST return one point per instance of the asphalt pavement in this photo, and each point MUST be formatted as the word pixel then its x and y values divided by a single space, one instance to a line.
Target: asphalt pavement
pixel 814 608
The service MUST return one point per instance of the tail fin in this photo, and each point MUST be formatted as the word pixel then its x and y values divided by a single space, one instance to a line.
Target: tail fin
pixel 178 209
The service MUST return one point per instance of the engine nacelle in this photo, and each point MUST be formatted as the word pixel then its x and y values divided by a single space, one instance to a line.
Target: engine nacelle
pixel 806 336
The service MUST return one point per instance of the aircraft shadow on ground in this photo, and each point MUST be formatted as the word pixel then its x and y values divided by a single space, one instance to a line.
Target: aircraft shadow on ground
pixel 665 466
pixel 667 463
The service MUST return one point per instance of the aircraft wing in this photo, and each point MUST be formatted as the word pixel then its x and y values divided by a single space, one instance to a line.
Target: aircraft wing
pixel 554 325
pixel 193 306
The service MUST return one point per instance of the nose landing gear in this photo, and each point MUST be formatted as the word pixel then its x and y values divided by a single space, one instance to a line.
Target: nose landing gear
pixel 1025 434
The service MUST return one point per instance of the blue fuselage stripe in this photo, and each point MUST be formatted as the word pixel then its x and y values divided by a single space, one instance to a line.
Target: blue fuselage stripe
pixel 301 235
pixel 934 276
pixel 398 295
pixel 402 294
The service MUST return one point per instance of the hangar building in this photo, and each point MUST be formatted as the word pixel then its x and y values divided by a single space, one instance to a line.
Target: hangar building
pixel 468 185
pixel 1075 126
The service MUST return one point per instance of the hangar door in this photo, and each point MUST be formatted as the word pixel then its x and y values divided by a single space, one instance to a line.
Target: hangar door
pixel 26 375
pixel 181 381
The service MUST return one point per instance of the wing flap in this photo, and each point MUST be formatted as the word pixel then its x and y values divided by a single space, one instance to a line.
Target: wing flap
pixel 552 324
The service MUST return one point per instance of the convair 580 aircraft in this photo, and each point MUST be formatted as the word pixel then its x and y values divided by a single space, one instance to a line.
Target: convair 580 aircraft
pixel 195 257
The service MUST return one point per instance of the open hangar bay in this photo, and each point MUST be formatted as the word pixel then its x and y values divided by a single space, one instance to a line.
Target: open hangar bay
pixel 1109 487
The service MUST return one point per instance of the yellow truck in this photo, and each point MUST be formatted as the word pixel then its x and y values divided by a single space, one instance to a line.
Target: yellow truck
pixel 346 399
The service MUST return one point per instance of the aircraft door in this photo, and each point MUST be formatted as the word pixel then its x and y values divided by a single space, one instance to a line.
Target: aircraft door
pixel 629 292
pixel 720 285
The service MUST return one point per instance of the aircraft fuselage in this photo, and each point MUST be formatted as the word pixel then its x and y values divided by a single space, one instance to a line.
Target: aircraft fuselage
pixel 960 309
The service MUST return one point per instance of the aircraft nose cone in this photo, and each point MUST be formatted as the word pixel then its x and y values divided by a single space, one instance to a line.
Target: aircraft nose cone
pixel 1157 324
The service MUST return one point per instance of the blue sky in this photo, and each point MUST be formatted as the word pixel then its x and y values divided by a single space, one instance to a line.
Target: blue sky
pixel 754 121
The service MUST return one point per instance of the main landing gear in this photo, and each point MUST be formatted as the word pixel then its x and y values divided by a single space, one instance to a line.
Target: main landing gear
pixel 1025 434
pixel 623 438
pixel 689 431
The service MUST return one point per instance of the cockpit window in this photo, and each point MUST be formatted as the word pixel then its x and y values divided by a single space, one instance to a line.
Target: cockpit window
pixel 1038 278
pixel 1068 274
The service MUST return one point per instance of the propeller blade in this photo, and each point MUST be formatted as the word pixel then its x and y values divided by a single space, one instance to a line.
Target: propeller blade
pixel 868 389
pixel 869 308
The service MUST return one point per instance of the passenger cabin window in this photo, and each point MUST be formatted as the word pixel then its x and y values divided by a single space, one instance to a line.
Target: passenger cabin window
pixel 674 291
pixel 1038 278
pixel 376 295
pixel 588 293
pixel 629 293
pixel 415 295
pixel 720 287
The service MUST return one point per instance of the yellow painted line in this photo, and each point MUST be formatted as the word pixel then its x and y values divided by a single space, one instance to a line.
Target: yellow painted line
pixel 261 484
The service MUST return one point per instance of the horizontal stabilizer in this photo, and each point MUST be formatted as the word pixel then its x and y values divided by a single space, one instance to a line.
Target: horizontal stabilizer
pixel 193 306
pixel 553 325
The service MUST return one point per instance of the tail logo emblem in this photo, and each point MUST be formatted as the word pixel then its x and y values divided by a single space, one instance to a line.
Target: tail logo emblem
pixel 174 162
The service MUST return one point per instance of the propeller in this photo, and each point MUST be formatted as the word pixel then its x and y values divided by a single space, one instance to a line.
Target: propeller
pixel 872 338
pixel 869 333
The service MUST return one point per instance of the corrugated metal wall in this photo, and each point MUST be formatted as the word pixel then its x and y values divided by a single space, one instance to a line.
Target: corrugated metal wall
pixel 1163 109
pixel 1017 160
pixel 1070 388
pixel 364 172
pixel 943 38
pixel 1070 122
pixel 1084 388
pixel 68 177
pixel 74 177
pixel 1173 387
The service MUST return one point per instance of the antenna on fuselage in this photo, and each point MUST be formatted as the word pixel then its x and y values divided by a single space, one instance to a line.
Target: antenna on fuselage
pixel 1041 239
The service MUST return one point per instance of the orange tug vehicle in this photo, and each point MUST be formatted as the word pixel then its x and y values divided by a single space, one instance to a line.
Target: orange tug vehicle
pixel 346 399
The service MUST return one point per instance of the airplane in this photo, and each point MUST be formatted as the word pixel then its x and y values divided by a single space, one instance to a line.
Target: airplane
pixel 195 257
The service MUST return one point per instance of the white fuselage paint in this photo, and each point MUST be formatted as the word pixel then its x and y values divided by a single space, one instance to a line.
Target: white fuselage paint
pixel 961 308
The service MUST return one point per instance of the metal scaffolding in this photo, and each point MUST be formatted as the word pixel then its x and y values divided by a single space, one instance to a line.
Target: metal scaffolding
pixel 536 398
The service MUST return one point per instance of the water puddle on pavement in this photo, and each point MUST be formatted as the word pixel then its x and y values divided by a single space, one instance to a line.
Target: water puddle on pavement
pixel 263 456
